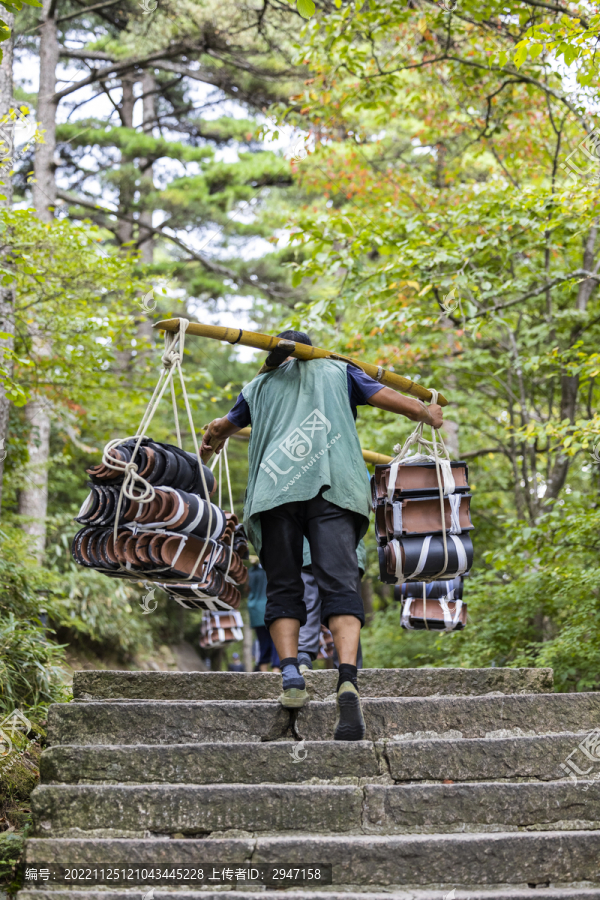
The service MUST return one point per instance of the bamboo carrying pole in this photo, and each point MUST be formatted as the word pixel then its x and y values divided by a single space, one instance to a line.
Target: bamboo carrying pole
pixel 369 456
pixel 301 351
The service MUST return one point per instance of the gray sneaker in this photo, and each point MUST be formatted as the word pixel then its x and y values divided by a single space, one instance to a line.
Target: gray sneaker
pixel 293 698
pixel 305 663
pixel 349 723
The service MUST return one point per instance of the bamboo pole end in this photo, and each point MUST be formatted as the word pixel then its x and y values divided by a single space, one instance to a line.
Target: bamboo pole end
pixel 167 325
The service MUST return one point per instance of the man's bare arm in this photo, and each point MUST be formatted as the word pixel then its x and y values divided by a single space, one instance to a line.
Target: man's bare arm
pixel 397 403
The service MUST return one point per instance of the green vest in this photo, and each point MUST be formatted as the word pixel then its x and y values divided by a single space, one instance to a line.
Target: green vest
pixel 303 439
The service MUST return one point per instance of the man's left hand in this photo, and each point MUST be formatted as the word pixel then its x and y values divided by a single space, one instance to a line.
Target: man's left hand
pixel 435 415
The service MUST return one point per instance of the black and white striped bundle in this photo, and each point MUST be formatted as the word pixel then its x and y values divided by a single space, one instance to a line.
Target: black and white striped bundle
pixel 170 509
pixel 433 605
pixel 168 529
pixel 422 519
pixel 156 463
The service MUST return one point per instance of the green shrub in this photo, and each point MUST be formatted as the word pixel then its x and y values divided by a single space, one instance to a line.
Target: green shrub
pixel 30 671
pixel 11 849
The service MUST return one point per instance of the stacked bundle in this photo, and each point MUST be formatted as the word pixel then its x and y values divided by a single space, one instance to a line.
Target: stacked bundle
pixel 422 519
pixel 437 605
pixel 218 629
pixel 167 531
pixel 219 584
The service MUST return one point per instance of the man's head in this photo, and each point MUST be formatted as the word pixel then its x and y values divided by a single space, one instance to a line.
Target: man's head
pixel 299 337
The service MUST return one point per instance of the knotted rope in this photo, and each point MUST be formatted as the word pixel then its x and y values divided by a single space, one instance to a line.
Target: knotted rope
pixel 446 487
pixel 222 456
pixel 171 359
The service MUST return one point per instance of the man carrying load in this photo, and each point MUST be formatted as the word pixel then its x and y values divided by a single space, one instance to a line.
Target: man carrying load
pixel 307 478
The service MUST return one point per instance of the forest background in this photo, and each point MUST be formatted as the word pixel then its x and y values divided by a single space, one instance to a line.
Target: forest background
pixel 415 185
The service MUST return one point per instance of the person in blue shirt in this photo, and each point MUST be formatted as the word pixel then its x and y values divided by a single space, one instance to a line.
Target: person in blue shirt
pixel 297 408
pixel 236 665
pixel 257 602
pixel 361 387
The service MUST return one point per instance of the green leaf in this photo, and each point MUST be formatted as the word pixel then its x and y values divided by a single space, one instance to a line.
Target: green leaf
pixel 520 55
pixel 306 8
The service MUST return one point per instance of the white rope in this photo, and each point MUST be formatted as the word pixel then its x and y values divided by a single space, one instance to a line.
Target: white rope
pixel 224 454
pixel 446 486
pixel 454 500
pixel 171 359
pixel 186 401
pixel 405 619
pixel 450 621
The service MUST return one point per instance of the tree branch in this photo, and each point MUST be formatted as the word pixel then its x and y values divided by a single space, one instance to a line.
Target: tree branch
pixel 209 264
pixel 534 292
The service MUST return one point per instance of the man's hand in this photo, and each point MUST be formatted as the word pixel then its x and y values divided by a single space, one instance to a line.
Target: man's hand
pixel 215 436
pixel 435 416
pixel 210 443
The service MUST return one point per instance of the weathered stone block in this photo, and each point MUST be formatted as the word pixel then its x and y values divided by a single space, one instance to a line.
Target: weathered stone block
pixel 481 759
pixel 230 763
pixel 178 722
pixel 137 810
pixel 445 808
pixel 518 858
pixel 110 685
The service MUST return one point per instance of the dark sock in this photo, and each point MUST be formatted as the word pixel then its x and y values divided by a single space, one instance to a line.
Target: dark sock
pixel 290 673
pixel 289 661
pixel 347 673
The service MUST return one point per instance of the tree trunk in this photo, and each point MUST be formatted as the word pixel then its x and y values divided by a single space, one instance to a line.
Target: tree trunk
pixel 147 186
pixel 149 118
pixel 44 187
pixel 7 294
pixel 33 498
pixel 570 383
pixel 127 185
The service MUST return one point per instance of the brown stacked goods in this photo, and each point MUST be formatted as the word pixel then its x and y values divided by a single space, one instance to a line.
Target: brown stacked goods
pixel 168 531
pixel 436 605
pixel 220 628
pixel 408 520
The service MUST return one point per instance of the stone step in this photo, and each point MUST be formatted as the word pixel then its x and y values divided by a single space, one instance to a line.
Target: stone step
pixel 284 762
pixel 477 893
pixel 191 809
pixel 489 759
pixel 177 722
pixel 517 858
pixel 111 685
pixel 232 763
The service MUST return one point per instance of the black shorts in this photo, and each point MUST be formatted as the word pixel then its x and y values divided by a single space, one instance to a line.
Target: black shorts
pixel 332 534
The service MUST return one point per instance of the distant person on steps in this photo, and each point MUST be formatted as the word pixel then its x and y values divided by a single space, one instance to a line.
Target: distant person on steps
pixel 257 604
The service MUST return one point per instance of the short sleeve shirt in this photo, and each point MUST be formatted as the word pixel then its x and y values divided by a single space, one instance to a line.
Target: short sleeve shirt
pixel 361 388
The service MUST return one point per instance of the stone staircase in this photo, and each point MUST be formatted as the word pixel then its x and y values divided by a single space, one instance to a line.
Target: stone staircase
pixel 457 788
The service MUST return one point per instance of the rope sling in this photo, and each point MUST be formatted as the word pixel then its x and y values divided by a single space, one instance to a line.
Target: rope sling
pixel 446 489
pixel 137 489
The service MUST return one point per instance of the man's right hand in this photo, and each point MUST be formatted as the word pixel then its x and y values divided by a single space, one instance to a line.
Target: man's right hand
pixel 435 415
pixel 215 435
